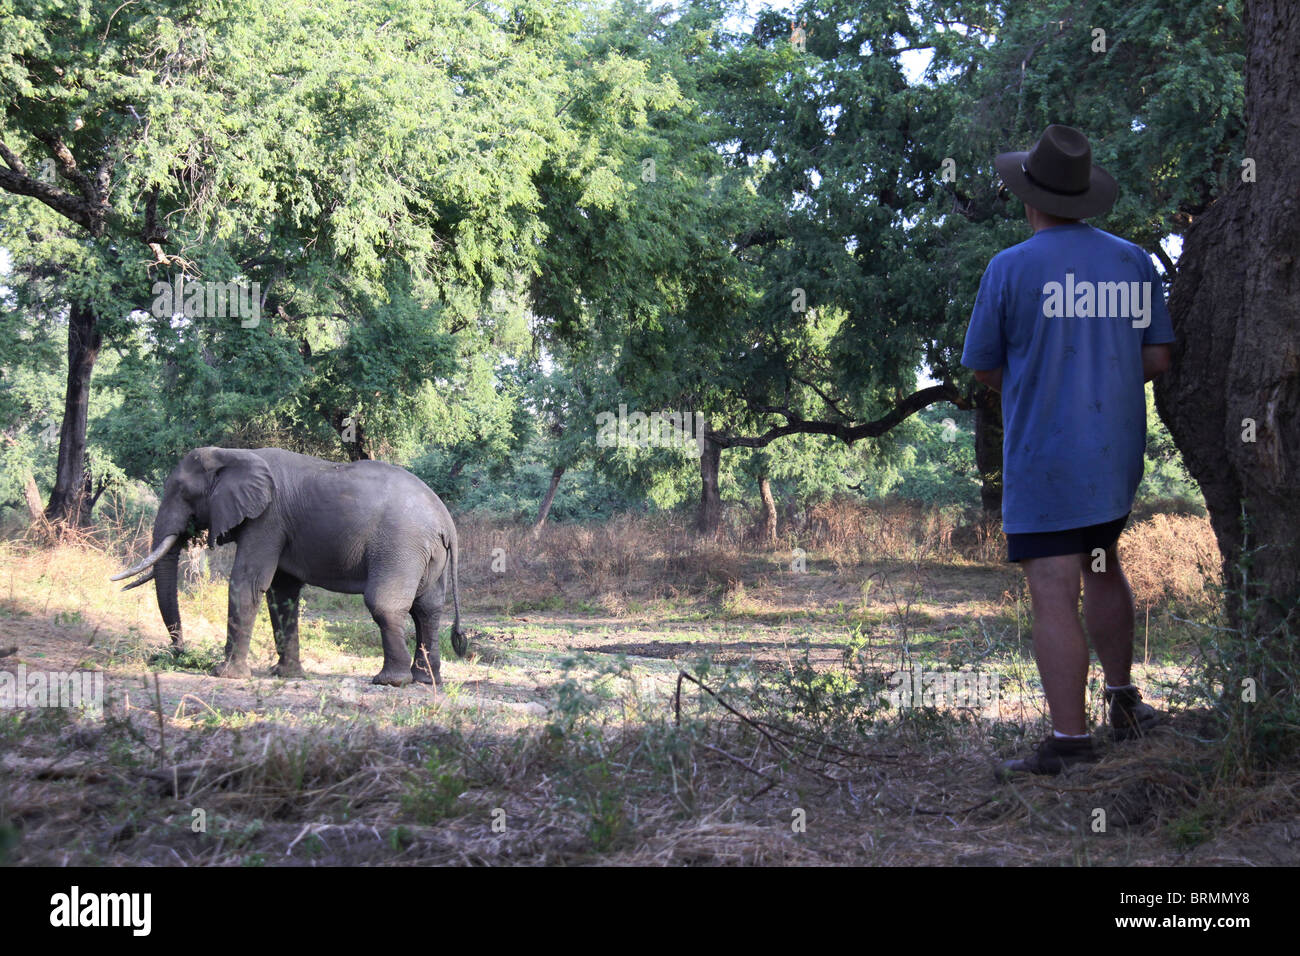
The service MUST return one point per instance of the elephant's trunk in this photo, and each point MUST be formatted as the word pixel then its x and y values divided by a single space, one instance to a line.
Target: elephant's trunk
pixel 165 585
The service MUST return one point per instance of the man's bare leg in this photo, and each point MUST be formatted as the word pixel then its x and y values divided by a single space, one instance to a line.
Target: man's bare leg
pixel 1108 611
pixel 1060 647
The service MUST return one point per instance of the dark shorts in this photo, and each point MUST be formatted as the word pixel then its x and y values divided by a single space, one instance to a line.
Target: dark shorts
pixel 1049 544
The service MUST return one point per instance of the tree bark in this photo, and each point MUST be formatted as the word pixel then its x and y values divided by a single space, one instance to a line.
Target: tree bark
pixel 545 509
pixel 33 496
pixel 988 451
pixel 765 531
pixel 68 500
pixel 709 516
pixel 846 432
pixel 345 424
pixel 1235 305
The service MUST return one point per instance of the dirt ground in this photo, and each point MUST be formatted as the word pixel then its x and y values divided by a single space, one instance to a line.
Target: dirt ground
pixel 332 769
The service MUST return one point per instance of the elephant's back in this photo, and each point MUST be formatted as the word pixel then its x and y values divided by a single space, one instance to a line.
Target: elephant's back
pixel 358 499
pixel 396 490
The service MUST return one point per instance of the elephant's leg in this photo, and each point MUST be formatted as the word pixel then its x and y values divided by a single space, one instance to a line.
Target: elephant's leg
pixel 282 603
pixel 390 612
pixel 427 612
pixel 255 562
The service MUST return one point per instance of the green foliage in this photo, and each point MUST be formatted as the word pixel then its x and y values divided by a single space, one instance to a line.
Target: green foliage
pixel 1247 676
pixel 593 777
pixel 933 461
pixel 476 227
pixel 201 659
pixel 1165 477
pixel 836 703
pixel 433 794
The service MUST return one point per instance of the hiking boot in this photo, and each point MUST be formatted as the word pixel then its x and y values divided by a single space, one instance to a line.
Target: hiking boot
pixel 1052 756
pixel 1129 717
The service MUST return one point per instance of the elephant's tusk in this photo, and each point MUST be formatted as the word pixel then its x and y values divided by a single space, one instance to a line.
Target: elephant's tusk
pixel 144 580
pixel 150 560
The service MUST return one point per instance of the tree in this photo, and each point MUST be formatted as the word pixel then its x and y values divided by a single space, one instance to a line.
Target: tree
pixel 386 179
pixel 883 209
pixel 86 92
pixel 1232 399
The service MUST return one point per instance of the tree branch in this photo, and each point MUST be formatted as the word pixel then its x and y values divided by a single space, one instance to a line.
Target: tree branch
pixel 13 159
pixel 68 166
pixel 64 203
pixel 755 237
pixel 1171 270
pixel 847 433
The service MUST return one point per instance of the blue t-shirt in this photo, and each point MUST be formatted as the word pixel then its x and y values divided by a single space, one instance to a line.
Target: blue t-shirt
pixel 1065 315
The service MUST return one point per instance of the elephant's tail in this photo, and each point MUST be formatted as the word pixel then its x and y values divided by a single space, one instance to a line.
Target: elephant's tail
pixel 459 642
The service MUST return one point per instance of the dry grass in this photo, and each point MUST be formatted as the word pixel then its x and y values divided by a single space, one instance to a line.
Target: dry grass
pixel 856 532
pixel 1172 558
pixel 609 791
pixel 295 774
pixel 661 555
pixel 605 563
pixel 1168 558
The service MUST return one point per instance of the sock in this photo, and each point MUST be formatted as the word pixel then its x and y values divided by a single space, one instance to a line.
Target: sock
pixel 1060 736
pixel 1121 687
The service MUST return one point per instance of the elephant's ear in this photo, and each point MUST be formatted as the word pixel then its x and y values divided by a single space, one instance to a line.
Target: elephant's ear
pixel 241 489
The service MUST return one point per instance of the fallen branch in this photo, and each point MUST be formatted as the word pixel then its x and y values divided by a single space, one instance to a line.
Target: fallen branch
pixel 678 705
pixel 740 763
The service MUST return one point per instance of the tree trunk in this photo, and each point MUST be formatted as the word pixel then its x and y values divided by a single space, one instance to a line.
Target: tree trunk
pixel 765 530
pixel 68 500
pixel 352 435
pixel 709 516
pixel 545 509
pixel 1235 305
pixel 33 496
pixel 988 451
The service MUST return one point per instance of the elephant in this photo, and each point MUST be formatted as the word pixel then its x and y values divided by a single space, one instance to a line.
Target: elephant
pixel 364 527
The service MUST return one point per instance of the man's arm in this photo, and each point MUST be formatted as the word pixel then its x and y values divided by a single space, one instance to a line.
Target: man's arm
pixel 992 377
pixel 1156 360
pixel 985 351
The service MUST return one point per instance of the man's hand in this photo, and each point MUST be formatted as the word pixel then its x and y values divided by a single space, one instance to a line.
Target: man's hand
pixel 1156 360
pixel 992 378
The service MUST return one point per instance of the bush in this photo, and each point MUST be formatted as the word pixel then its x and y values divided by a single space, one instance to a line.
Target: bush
pixel 1172 559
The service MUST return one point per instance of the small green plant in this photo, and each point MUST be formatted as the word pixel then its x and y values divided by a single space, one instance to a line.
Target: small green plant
pixel 11 727
pixel 839 701
pixel 588 778
pixel 600 794
pixel 578 700
pixel 191 657
pixel 1190 829
pixel 434 794
pixel 399 838
pixel 9 838
pixel 1248 675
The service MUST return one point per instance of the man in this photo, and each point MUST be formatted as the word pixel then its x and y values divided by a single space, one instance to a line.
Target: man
pixel 1068 326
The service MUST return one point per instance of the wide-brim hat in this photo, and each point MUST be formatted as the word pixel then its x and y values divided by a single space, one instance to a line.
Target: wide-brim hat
pixel 1058 177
